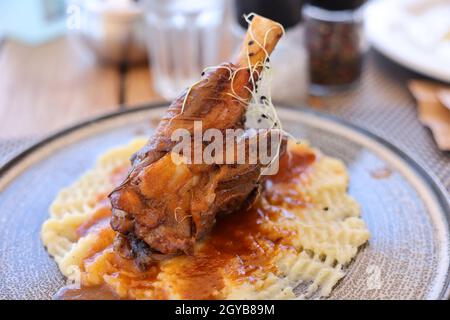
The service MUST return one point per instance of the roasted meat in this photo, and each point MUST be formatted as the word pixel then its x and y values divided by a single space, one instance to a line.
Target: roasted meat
pixel 163 207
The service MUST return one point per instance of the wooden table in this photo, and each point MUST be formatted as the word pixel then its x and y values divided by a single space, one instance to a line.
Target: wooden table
pixel 48 87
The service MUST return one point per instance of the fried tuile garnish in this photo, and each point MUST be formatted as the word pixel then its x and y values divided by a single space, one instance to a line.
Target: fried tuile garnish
pixel 162 208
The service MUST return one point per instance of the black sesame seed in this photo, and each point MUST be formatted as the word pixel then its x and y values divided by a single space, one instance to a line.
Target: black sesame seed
pixel 263 98
pixel 251 42
pixel 326 208
pixel 251 54
pixel 267 59
pixel 203 73
pixel 259 120
pixel 264 116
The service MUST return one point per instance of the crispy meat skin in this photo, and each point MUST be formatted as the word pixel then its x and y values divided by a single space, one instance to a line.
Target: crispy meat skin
pixel 162 208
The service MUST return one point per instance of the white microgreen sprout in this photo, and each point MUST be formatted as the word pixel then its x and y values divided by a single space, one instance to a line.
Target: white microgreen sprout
pixel 260 105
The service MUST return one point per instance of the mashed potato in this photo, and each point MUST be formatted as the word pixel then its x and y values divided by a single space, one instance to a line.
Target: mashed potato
pixel 302 233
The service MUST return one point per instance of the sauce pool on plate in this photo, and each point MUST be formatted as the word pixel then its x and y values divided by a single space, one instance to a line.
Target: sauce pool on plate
pixel 239 246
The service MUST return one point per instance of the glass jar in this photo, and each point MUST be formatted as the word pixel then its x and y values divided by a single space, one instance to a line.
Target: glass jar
pixel 183 38
pixel 335 44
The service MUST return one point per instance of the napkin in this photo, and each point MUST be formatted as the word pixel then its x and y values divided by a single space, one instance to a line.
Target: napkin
pixel 433 108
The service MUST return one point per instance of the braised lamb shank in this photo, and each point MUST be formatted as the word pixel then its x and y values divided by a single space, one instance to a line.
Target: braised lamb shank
pixel 162 208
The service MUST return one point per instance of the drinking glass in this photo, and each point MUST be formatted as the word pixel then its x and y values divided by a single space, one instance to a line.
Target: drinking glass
pixel 183 38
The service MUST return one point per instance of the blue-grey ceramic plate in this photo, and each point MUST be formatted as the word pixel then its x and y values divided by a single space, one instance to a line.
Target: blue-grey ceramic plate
pixel 406 210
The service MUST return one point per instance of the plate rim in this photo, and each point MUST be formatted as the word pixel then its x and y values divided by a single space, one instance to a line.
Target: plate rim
pixel 429 178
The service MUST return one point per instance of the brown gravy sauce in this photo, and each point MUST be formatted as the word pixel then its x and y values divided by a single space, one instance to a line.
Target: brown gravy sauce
pixel 73 292
pixel 237 246
pixel 292 165
pixel 99 220
pixel 381 173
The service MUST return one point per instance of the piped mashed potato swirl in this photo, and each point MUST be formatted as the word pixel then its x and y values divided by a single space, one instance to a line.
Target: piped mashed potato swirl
pixel 296 243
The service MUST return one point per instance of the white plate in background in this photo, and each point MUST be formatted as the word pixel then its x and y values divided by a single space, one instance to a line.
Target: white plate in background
pixel 413 33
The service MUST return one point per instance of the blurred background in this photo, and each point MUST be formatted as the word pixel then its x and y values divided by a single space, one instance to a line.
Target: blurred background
pixel 382 64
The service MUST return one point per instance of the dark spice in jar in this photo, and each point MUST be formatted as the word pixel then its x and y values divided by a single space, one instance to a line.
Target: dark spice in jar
pixel 333 36
pixel 334 52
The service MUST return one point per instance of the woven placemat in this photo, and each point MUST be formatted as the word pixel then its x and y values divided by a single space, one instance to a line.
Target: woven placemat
pixel 382 104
